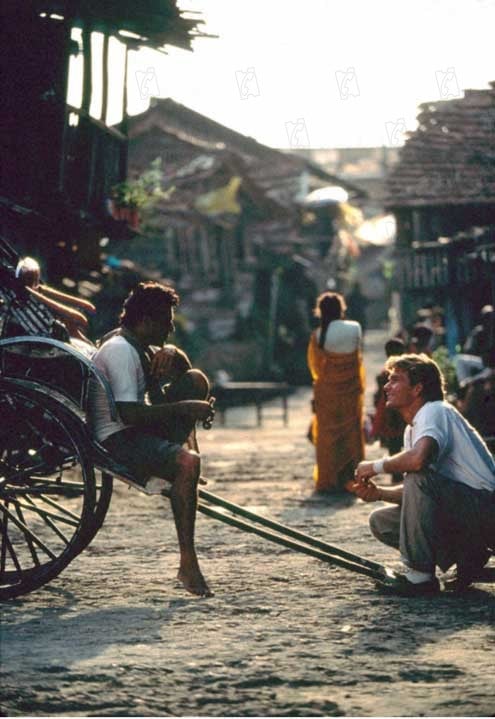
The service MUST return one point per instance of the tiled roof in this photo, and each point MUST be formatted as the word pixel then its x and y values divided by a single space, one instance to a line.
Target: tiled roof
pixel 450 158
pixel 270 168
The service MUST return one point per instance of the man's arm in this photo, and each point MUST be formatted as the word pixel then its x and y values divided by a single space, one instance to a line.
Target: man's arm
pixel 410 460
pixel 143 415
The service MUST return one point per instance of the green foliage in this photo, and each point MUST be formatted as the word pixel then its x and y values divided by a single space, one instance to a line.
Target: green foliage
pixel 144 191
pixel 441 357
pixel 388 270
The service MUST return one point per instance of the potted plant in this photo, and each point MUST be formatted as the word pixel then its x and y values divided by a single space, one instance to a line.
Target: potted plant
pixel 131 196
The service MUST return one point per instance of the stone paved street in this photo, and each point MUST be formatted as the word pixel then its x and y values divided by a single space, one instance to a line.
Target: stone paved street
pixel 284 635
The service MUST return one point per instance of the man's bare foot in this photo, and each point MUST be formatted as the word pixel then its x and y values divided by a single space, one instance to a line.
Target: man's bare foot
pixel 194 582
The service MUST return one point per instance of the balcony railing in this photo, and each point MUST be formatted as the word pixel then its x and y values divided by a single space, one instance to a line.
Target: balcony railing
pixel 436 265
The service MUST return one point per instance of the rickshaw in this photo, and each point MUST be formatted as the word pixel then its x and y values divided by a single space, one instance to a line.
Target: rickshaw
pixel 55 479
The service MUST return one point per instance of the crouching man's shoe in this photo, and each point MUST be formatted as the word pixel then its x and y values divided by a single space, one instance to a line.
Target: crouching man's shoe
pixel 462 580
pixel 465 575
pixel 400 586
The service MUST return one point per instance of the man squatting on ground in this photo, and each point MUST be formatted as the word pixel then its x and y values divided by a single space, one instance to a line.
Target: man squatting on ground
pixel 148 438
pixel 446 512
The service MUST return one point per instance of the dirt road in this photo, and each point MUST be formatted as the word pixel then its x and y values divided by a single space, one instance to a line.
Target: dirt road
pixel 284 635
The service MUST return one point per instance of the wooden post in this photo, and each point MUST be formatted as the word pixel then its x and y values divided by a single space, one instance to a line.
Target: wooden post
pixel 104 87
pixel 87 77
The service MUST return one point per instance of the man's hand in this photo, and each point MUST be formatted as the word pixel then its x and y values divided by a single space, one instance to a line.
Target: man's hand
pixel 365 489
pixel 364 471
pixel 194 409
pixel 162 362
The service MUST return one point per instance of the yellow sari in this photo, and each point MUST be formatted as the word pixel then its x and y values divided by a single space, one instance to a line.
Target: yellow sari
pixel 337 427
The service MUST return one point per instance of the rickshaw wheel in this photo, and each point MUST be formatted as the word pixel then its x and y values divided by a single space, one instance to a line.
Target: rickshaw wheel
pixel 48 497
pixel 103 487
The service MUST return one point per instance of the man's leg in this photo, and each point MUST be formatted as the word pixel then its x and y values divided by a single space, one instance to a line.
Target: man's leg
pixel 385 525
pixel 147 455
pixel 418 526
pixel 193 384
pixel 410 528
pixel 184 500
pixel 463 522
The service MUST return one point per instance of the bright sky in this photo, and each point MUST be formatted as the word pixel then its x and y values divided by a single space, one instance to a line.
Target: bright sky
pixel 323 73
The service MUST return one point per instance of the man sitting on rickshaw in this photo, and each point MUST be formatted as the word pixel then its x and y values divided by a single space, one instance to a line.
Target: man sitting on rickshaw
pixel 148 438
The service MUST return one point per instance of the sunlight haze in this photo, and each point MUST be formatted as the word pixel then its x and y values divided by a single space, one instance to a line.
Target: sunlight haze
pixel 322 74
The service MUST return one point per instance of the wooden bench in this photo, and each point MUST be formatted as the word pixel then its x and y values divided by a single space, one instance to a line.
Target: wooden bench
pixel 234 394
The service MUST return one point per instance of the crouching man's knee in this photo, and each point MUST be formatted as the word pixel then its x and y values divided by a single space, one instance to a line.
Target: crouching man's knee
pixel 385 525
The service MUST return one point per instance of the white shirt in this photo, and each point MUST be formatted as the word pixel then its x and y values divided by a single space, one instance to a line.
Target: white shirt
pixel 342 336
pixel 462 454
pixel 120 364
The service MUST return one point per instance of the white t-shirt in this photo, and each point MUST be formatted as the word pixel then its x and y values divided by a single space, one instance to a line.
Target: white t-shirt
pixel 120 364
pixel 342 336
pixel 462 454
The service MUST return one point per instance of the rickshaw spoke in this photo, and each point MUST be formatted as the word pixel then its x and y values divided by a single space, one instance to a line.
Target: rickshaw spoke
pixel 24 472
pixel 3 554
pixel 48 518
pixel 39 488
pixel 29 542
pixel 33 507
pixel 28 532
pixel 60 508
pixel 45 484
pixel 8 548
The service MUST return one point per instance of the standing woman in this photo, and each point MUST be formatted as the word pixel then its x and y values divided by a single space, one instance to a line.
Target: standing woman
pixel 336 365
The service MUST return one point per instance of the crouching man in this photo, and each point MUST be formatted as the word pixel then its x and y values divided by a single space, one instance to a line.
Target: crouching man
pixel 148 438
pixel 445 508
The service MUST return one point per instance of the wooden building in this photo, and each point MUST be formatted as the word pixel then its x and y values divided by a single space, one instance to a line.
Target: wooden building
pixel 200 157
pixel 59 162
pixel 229 232
pixel 442 193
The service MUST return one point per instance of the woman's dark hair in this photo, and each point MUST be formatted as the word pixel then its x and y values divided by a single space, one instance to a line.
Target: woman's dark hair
pixel 330 306
pixel 394 346
pixel 421 369
pixel 148 299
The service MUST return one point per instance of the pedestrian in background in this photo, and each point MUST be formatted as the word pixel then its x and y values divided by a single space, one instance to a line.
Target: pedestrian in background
pixel 336 366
